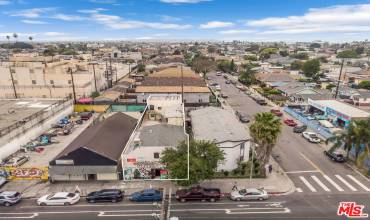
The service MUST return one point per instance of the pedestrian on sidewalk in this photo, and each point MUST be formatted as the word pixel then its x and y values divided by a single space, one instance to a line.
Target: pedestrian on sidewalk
pixel 270 168
pixel 235 187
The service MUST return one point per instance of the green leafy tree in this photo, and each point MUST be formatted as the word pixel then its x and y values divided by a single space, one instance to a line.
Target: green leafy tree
pixel 347 54
pixel 202 64
pixel 284 53
pixel 265 131
pixel 247 75
pixel 359 50
pixel 311 68
pixel 301 56
pixel 345 139
pixel 296 65
pixel 204 156
pixel 250 57
pixel 141 67
pixel 364 84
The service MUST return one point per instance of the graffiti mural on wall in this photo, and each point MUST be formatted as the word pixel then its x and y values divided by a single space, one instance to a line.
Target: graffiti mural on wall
pixel 25 173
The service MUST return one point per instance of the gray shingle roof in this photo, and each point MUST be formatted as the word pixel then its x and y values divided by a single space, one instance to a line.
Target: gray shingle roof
pixel 161 135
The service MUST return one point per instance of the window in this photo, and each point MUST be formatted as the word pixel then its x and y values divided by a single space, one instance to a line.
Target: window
pixel 159 108
pixel 34 82
pixel 156 155
pixel 52 82
pixel 69 81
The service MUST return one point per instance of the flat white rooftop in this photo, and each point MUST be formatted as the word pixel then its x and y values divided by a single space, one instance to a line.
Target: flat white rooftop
pixel 344 108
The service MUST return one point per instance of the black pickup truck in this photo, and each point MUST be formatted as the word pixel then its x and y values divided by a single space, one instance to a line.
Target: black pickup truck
pixel 198 194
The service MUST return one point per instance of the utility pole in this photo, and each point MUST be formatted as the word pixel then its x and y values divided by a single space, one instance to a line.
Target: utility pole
pixel 93 65
pixel 73 85
pixel 111 71
pixel 340 75
pixel 182 85
pixel 12 78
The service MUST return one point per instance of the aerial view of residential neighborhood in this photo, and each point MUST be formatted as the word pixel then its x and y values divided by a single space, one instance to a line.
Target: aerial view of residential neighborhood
pixel 184 109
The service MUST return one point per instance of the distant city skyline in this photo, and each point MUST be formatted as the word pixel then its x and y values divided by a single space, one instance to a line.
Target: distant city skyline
pixel 222 20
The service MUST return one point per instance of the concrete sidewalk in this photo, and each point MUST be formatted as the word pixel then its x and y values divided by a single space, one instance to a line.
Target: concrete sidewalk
pixel 276 183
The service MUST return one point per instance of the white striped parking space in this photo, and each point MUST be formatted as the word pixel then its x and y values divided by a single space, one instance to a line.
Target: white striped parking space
pixel 304 180
pixel 333 183
pixel 358 183
pixel 345 183
pixel 321 184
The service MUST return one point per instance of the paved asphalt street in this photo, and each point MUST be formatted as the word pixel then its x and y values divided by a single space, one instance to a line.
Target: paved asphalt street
pixel 321 185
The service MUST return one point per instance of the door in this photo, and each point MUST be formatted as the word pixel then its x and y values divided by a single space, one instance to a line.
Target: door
pixel 196 196
pixel 91 176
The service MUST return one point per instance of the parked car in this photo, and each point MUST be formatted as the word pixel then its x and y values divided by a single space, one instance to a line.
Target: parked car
pixel 223 96
pixel 261 102
pixel 242 88
pixel 244 118
pixel 337 157
pixel 227 81
pixel 17 161
pixel 249 194
pixel 147 195
pixel 9 198
pixel 198 194
pixel 208 78
pixel 299 129
pixel 214 84
pixel 105 195
pixel 311 137
pixel 218 88
pixel 290 122
pixel 225 76
pixel 233 82
pixel 85 115
pixel 59 198
pixel 218 74
pixel 276 112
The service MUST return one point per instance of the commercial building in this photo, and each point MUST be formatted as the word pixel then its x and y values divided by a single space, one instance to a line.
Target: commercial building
pixel 96 153
pixel 161 127
pixel 30 77
pixel 339 113
pixel 222 127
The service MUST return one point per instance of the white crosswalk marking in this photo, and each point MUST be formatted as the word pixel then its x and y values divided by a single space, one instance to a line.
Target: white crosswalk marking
pixel 308 184
pixel 333 183
pixel 358 183
pixel 346 183
pixel 320 183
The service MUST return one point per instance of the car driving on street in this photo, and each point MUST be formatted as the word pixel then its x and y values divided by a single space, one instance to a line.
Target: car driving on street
pixel 59 198
pixel 243 118
pixel 336 157
pixel 105 195
pixel 311 137
pixel 249 194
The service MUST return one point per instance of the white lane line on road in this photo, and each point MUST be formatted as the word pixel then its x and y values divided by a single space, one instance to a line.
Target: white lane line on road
pixel 299 189
pixel 272 210
pixel 346 183
pixel 308 184
pixel 358 183
pixel 304 171
pixel 333 183
pixel 320 183
pixel 31 215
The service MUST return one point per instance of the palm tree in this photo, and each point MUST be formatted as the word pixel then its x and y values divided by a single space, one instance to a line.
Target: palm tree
pixel 8 38
pixel 346 139
pixel 362 148
pixel 265 131
pixel 30 38
pixel 15 35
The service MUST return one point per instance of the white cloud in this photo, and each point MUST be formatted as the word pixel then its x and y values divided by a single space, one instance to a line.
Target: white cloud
pixel 65 17
pixel 144 38
pixel 184 1
pixel 31 13
pixel 117 23
pixel 236 32
pixel 4 2
pixel 54 34
pixel 167 18
pixel 91 11
pixel 216 24
pixel 339 18
pixel 33 22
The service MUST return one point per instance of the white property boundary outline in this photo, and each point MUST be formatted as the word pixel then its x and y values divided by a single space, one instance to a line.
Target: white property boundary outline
pixel 133 135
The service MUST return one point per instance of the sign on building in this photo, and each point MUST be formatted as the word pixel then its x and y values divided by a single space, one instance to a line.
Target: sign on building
pixel 25 173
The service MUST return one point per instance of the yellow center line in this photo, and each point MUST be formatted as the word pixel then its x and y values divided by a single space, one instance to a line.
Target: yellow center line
pixel 312 163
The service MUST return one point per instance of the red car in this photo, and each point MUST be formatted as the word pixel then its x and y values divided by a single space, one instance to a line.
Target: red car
pixel 290 122
pixel 276 112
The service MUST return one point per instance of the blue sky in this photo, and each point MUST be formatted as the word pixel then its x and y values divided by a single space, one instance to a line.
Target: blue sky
pixel 252 20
